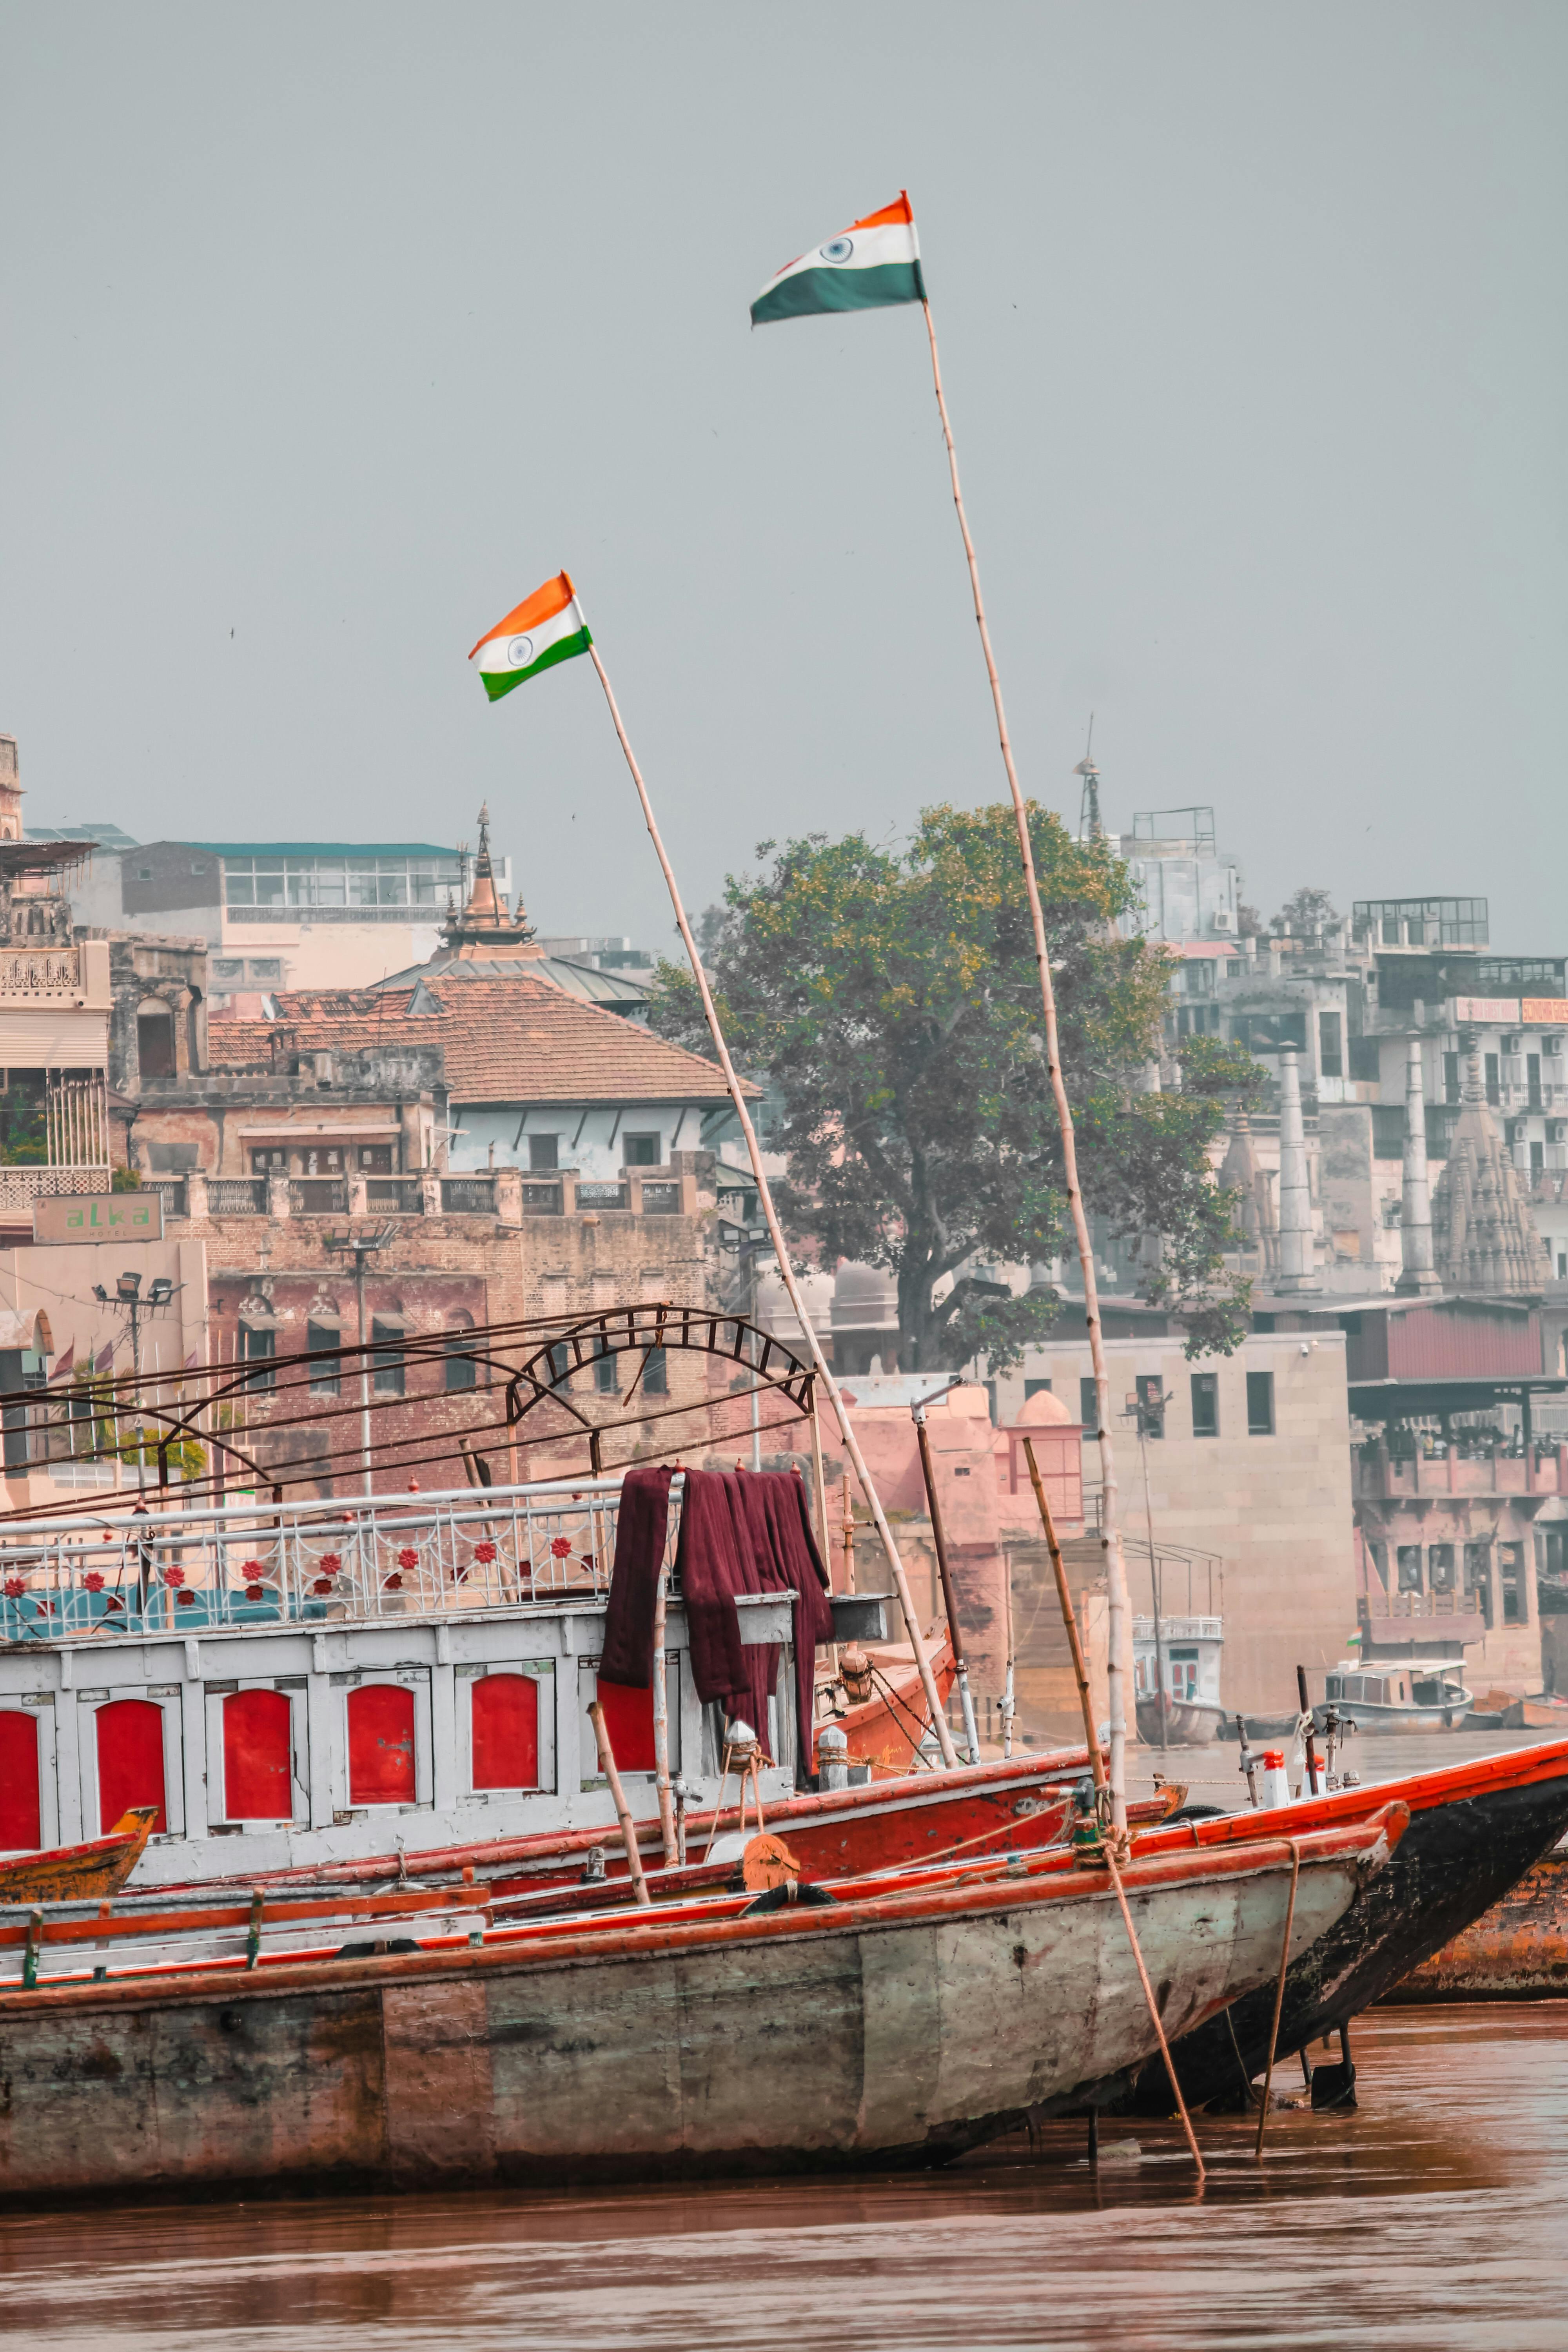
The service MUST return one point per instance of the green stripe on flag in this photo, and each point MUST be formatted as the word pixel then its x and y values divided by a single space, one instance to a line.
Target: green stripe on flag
pixel 811 290
pixel 501 681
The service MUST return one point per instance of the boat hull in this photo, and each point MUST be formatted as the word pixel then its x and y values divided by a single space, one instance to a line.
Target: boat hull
pixel 1474 1829
pixel 68 1873
pixel 1516 1951
pixel 1385 1719
pixel 900 2031
pixel 1189 1723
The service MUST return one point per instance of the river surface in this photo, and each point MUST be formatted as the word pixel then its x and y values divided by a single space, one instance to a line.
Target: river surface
pixel 1433 2219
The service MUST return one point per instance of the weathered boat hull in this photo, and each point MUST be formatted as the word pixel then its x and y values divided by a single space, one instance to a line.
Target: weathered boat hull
pixel 892 2032
pixel 1189 1723
pixel 1474 1829
pixel 66 1873
pixel 1516 1951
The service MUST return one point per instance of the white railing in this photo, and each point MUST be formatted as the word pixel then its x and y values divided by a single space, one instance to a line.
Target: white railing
pixel 1179 1629
pixel 383 1556
pixel 20 1187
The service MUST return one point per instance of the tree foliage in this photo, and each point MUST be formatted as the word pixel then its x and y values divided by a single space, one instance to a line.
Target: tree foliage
pixel 891 1000
pixel 1305 908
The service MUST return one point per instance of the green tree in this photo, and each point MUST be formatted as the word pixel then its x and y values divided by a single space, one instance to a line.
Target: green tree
pixel 1305 908
pixel 891 1000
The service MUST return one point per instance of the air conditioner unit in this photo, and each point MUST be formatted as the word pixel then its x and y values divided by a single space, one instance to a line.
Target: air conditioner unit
pixel 1226 921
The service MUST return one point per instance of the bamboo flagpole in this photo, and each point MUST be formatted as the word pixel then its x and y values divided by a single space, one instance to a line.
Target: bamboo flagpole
pixel 874 263
pixel 775 1232
pixel 1119 1624
pixel 549 627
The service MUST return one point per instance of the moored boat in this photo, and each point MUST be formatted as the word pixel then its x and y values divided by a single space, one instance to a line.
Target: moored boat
pixel 1397 1694
pixel 886 2029
pixel 62 1873
pixel 1516 1951
pixel 1474 1829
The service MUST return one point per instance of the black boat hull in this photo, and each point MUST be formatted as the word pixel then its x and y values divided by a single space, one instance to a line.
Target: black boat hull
pixel 1453 1863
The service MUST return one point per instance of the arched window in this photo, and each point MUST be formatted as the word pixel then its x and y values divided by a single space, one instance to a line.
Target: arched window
pixel 154 1039
pixel 506 1732
pixel 21 1809
pixel 381 1745
pixel 256 1756
pixel 628 1719
pixel 462 1372
pixel 130 1761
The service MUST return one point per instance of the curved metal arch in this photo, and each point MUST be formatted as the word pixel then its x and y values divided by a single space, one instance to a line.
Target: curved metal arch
pixel 640 1329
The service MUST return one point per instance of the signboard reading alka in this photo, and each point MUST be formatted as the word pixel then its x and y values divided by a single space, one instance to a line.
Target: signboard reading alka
pixel 99 1216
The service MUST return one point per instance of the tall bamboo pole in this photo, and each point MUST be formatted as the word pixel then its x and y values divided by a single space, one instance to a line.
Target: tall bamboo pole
pixel 661 1728
pixel 775 1232
pixel 1118 1628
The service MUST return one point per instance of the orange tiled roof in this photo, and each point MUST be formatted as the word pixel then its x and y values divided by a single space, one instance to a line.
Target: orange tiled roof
pixel 502 1041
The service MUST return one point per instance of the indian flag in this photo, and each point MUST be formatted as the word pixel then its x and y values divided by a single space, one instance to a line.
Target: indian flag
pixel 875 261
pixel 545 628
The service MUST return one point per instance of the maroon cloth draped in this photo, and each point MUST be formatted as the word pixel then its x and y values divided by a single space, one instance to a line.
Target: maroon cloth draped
pixel 746 1531
pixel 634 1580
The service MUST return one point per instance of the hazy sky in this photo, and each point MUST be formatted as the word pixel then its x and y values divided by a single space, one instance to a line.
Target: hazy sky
pixel 329 331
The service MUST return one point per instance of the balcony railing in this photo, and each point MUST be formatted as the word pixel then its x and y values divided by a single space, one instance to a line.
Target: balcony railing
pixel 319 1196
pixel 404 1193
pixel 469 1196
pixel 41 971
pixel 542 1200
pixel 236 1196
pixel 185 1573
pixel 602 1196
pixel 20 1187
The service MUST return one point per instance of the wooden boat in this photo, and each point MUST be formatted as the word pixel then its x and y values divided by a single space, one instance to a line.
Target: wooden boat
pixel 893 2028
pixel 1516 1951
pixel 1407 1694
pixel 100 1867
pixel 1474 1829
pixel 1189 1722
pixel 884 1729
pixel 1542 1713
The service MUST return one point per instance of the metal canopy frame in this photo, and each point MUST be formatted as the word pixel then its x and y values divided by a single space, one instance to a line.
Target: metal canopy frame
pixel 294 1421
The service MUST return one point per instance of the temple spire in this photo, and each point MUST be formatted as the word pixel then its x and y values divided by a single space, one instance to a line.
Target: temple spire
pixel 1417 1276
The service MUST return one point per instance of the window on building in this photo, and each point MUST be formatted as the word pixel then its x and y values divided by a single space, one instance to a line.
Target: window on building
pixel 560 1366
pixel 606 1375
pixel 1260 1404
pixel 1450 1077
pixel 1387 1131
pixel 655 1375
pixel 390 1375
pixel 258 1344
pixel 1511 1575
pixel 643 1150
pixel 544 1152
pixel 1478 1577
pixel 326 1380
pixel 1331 1050
pixel 1205 1404
pixel 1377 1554
pixel 1036 1388
pixel 1151 1404
pixel 1532 1079
pixel 1537 1159
pixel 1493 1072
pixel 155 1042
pixel 1408 1556
pixel 1089 1408
pixel 1366 1062
pixel 1440 1566
pixel 462 1371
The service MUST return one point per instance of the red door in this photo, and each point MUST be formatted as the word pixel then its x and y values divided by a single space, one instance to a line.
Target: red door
pixel 256 1753
pixel 130 1761
pixel 21 1813
pixel 628 1719
pixel 381 1745
pixel 506 1732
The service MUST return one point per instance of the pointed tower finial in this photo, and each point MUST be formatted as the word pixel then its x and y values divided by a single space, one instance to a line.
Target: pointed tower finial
pixel 1089 828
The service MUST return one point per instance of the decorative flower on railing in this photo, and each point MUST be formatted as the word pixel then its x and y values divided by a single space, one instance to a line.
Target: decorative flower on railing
pixel 561 1546
pixel 15 1588
pixel 484 1553
pixel 332 1563
pixel 253 1572
pixel 393 1583
pixel 174 1576
pixel 408 1557
pixel 114 1601
pixel 93 1582
pixel 184 1600
pixel 322 1584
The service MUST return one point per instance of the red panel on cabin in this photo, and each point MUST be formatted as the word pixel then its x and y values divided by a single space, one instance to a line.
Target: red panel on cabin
pixel 628 1719
pixel 381 1745
pixel 255 1754
pixel 130 1761
pixel 21 1813
pixel 506 1732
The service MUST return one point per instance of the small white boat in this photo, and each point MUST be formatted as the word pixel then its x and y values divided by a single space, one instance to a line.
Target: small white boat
pixel 1396 1695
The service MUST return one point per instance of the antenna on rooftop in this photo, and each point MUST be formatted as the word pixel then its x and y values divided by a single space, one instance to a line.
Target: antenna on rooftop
pixel 1089 828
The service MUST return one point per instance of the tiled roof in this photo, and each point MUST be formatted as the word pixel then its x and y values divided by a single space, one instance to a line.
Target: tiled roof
pixel 503 1041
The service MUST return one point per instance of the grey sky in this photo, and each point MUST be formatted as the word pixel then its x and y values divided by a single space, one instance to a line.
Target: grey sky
pixel 330 331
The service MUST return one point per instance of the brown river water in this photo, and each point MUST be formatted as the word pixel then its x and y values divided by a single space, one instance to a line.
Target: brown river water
pixel 1435 2217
